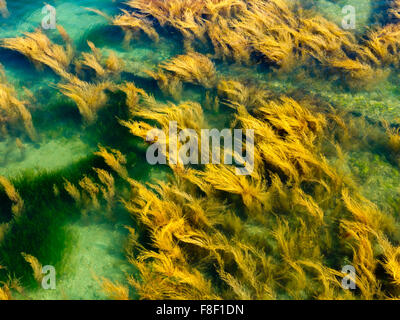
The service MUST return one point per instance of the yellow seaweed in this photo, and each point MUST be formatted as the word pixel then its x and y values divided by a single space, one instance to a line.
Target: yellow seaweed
pixel 89 97
pixel 13 195
pixel 41 51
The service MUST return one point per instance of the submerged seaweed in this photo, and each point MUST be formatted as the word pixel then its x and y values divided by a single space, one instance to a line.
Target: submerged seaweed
pixel 202 231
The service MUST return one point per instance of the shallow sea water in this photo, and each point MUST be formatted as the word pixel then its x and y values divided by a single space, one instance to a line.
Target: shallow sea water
pixel 95 248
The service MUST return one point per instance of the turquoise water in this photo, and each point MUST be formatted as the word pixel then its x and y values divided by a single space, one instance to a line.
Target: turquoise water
pixel 93 246
pixel 97 247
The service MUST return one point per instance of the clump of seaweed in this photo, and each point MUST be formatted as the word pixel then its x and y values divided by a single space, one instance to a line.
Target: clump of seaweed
pixel 114 290
pixel 115 160
pixel 73 191
pixel 237 92
pixel 169 85
pixel 394 10
pixel 393 138
pixel 108 187
pixel 35 265
pixel 102 67
pixel 9 287
pixel 133 96
pixel 359 74
pixel 41 51
pixel 192 68
pixel 3 9
pixel 89 97
pixel 114 64
pixel 18 203
pixel 5 293
pixel 186 115
pixel 384 45
pixel 133 24
pixel 13 110
pixel 182 15
pixel 87 197
pixel 91 190
pixel 17 209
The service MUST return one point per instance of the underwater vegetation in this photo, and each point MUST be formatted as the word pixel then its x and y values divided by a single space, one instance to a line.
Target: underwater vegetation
pixel 3 9
pixel 14 112
pixel 251 230
pixel 202 231
pixel 191 68
pixel 276 32
pixel 41 51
